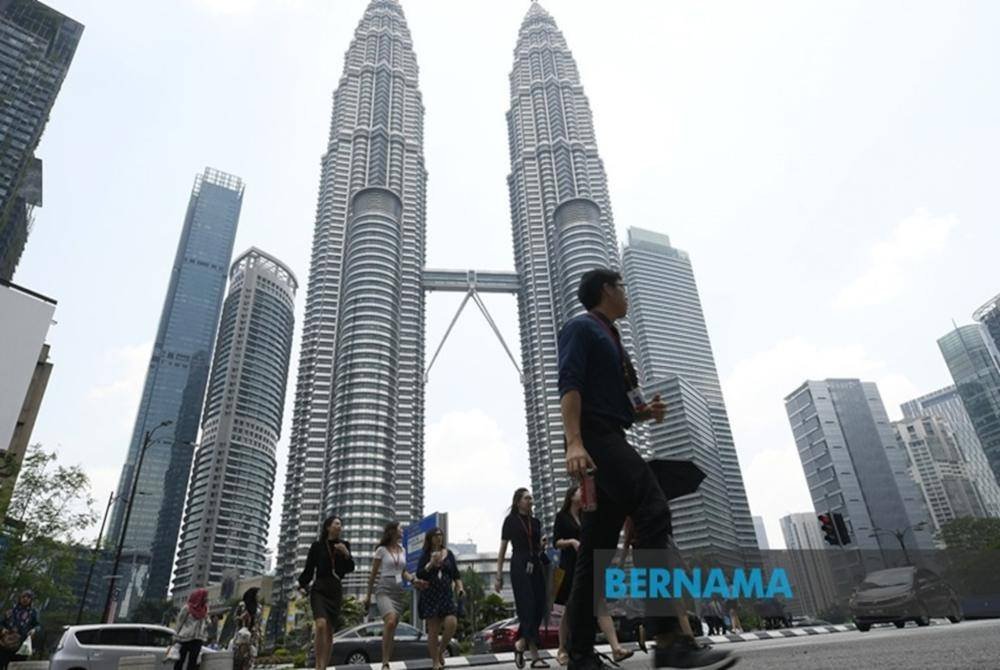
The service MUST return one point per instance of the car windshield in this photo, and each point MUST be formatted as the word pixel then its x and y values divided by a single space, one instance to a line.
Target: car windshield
pixel 877 580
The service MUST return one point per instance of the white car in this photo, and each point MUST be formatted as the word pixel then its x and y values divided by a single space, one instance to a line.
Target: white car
pixel 99 646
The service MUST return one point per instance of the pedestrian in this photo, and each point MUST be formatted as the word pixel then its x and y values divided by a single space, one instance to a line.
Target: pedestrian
pixel 436 604
pixel 17 628
pixel 389 569
pixel 732 607
pixel 249 621
pixel 527 578
pixel 566 532
pixel 192 629
pixel 600 399
pixel 329 560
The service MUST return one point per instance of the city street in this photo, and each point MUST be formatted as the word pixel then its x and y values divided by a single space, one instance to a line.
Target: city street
pixel 970 645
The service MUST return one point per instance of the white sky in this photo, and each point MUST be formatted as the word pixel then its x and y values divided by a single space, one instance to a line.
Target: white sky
pixel 830 167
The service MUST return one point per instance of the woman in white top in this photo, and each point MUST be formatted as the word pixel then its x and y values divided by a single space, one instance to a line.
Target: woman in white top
pixel 389 567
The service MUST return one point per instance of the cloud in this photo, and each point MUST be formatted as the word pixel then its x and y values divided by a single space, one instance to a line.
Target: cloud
pixel 915 239
pixel 469 473
pixel 755 392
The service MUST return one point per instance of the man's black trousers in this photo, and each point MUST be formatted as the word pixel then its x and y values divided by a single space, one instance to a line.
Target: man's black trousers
pixel 626 487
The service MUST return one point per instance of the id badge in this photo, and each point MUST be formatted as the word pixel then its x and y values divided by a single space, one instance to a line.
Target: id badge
pixel 399 579
pixel 440 574
pixel 529 568
pixel 638 402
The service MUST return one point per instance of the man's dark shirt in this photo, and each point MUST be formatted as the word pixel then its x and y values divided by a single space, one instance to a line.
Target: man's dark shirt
pixel 590 362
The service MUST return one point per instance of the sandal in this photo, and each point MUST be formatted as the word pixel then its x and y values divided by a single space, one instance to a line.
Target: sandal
pixel 563 658
pixel 518 658
pixel 539 663
pixel 611 663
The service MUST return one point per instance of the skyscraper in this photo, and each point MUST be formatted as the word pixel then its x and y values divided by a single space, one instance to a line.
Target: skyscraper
pixel 562 226
pixel 812 577
pixel 358 422
pixel 671 338
pixel 38 47
pixel 936 465
pixel 175 380
pixel 974 364
pixel 946 404
pixel 989 316
pixel 761 531
pixel 854 467
pixel 229 501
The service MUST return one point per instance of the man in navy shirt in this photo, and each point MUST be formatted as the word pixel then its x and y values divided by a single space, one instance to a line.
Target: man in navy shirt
pixel 600 398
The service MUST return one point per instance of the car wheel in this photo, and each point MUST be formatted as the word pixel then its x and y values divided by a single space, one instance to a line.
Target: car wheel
pixel 357 658
pixel 900 624
pixel 956 613
pixel 863 627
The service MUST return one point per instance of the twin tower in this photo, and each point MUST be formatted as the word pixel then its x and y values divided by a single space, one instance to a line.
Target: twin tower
pixel 358 423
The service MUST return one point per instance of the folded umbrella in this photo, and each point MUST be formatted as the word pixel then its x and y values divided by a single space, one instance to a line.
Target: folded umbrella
pixel 677 478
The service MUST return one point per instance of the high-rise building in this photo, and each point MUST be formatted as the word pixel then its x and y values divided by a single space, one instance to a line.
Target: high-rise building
pixel 761 531
pixel 854 467
pixel 936 465
pixel 358 421
pixel 811 575
pixel 228 506
pixel 671 338
pixel 974 364
pixel 562 226
pixel 175 384
pixel 989 316
pixel 946 404
pixel 38 47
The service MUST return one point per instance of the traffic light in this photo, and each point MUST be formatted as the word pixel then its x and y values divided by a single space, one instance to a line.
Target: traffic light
pixel 826 525
pixel 842 534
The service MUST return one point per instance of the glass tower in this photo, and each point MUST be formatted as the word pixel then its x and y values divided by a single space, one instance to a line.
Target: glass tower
pixel 974 364
pixel 175 382
pixel 229 501
pixel 37 45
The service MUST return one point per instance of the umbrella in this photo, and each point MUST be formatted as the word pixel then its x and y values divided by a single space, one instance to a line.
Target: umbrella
pixel 677 478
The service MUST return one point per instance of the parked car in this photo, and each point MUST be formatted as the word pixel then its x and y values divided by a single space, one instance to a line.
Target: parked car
pixel 99 646
pixel 898 595
pixel 481 641
pixel 504 635
pixel 363 644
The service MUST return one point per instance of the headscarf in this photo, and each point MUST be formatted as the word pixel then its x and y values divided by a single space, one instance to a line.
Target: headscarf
pixel 250 602
pixel 198 603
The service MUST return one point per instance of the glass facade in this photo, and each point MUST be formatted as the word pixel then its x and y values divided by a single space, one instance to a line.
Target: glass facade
pixel 37 45
pixel 974 364
pixel 174 389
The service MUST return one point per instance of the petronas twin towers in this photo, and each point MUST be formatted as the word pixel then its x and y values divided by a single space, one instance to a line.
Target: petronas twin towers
pixel 358 423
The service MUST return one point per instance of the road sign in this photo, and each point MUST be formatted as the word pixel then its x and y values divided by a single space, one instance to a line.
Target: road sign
pixel 413 537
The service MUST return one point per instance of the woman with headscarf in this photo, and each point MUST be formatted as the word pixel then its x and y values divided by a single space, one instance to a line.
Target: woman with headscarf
pixel 249 614
pixel 19 624
pixel 329 560
pixel 192 629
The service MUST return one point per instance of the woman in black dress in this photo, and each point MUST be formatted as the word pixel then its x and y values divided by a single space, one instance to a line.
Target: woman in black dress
pixel 436 602
pixel 566 535
pixel 524 533
pixel 329 560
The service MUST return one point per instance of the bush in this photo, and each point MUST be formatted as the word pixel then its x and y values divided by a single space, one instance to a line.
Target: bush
pixel 281 652
pixel 299 660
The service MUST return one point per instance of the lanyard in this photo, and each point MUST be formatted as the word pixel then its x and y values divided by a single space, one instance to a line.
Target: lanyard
pixel 630 382
pixel 527 531
pixel 395 557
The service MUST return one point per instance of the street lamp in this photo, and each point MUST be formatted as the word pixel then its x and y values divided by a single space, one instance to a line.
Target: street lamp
pixel 147 440
pixel 900 536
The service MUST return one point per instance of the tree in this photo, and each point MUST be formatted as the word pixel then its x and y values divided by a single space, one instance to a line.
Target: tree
pixel 50 506
pixel 493 609
pixel 352 611
pixel 971 534
pixel 972 554
pixel 155 611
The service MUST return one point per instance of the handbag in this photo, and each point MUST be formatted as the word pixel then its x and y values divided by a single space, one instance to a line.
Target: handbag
pixel 10 640
pixel 25 649
pixel 174 652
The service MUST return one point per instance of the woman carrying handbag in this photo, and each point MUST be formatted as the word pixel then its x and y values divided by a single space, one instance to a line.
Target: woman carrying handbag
pixel 192 625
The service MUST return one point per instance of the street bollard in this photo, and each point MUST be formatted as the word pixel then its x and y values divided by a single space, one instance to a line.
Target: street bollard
pixel 28 665
pixel 219 660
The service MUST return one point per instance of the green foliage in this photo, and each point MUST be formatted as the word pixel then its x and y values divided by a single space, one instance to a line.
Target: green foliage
pixel 155 611
pixel 971 534
pixel 493 609
pixel 834 614
pixel 352 612
pixel 299 660
pixel 50 507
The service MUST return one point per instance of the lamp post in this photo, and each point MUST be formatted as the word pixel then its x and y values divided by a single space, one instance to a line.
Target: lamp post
pixel 900 536
pixel 93 560
pixel 147 440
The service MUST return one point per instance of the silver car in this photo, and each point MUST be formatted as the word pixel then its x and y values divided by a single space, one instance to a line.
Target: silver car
pixel 98 647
